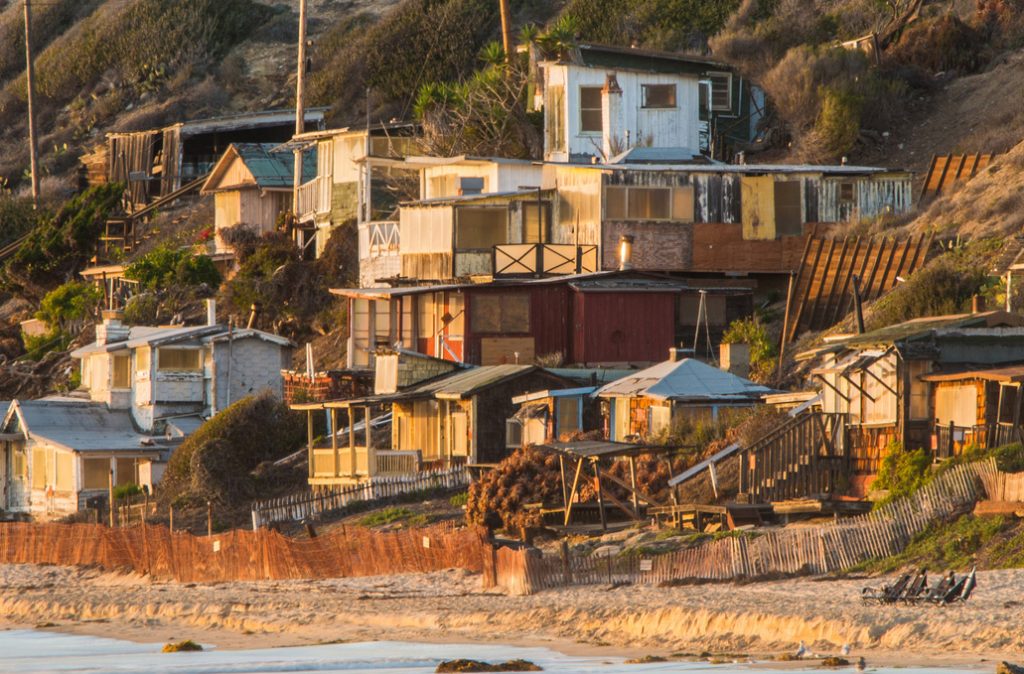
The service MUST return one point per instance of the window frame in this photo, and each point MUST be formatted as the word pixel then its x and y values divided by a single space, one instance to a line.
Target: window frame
pixel 675 200
pixel 644 104
pixel 160 356
pixel 599 109
pixel 490 210
pixel 728 77
pixel 120 371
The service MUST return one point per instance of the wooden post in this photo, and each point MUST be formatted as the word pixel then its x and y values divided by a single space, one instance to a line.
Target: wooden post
pixel 334 441
pixel 110 497
pixel 300 105
pixel 506 33
pixel 565 487
pixel 170 510
pixel 309 442
pixel 351 441
pixel 209 518
pixel 600 496
pixel 632 481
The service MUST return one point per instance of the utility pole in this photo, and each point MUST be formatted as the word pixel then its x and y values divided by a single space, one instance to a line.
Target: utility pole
pixel 506 37
pixel 30 85
pixel 300 106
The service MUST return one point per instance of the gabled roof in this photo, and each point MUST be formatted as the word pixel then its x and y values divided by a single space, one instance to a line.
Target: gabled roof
pixel 81 426
pixel 267 170
pixel 645 60
pixel 152 336
pixel 686 379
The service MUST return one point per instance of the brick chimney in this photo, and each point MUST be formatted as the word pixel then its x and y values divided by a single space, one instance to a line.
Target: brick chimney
pixel 111 330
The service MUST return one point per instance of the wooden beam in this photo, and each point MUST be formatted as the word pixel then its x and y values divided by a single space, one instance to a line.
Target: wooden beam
pixel 632 481
pixel 829 384
pixel 572 492
pixel 843 298
pixel 794 328
pixel 600 495
pixel 828 289
pixel 636 493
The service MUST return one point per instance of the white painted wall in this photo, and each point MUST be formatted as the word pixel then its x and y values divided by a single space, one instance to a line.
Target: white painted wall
pixel 657 127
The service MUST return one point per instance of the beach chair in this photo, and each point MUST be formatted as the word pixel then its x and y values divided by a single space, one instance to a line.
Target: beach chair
pixel 917 588
pixel 936 593
pixel 961 590
pixel 972 582
pixel 888 594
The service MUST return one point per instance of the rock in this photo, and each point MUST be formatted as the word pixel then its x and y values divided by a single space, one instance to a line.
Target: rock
pixel 607 551
pixel 1006 668
pixel 466 665
pixel 182 646
pixel 617 536
pixel 644 660
pixel 834 661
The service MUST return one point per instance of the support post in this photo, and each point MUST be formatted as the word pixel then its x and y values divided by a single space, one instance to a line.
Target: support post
pixel 209 518
pixel 300 105
pixel 600 497
pixel 110 497
pixel 506 33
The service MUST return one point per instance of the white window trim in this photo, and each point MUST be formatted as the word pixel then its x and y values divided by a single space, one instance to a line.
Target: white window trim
pixel 711 90
pixel 579 112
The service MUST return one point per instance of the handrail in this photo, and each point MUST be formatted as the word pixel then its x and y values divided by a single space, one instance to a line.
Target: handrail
pixel 168 198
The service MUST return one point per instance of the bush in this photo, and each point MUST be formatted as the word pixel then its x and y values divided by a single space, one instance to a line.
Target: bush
pixel 67 306
pixel 763 351
pixel 498 498
pixel 217 461
pixel 123 491
pixel 903 472
pixel 944 286
pixel 839 120
pixel 168 267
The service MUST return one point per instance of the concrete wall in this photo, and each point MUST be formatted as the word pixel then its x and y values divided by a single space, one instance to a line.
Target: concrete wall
pixel 254 365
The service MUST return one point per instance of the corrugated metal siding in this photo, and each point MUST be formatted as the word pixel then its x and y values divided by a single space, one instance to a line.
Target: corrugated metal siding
pixel 875 195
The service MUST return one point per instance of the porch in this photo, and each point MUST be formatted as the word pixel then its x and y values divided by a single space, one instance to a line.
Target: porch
pixel 314 199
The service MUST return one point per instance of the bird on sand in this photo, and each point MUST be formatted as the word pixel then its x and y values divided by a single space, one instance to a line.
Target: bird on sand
pixel 861 664
pixel 802 651
pixel 845 650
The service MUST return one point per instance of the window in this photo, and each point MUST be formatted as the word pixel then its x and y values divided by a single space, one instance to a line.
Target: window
pixel 142 361
pixel 590 110
pixel 513 434
pixel 471 185
pixel 554 122
pixel 660 420
pixel 65 478
pixel 649 203
pixel 957 404
pixel 536 222
pixel 122 376
pixel 95 473
pixel 881 410
pixel 500 312
pixel 918 389
pixel 179 359
pixel 480 228
pixel 19 463
pixel 847 192
pixel 659 95
pixel 721 91
pixel 568 415
pixel 39 469
pixel 788 213
pixel 126 472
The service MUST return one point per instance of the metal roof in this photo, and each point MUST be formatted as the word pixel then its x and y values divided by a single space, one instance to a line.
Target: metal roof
pixel 141 335
pixel 450 386
pixel 919 327
pixel 244 120
pixel 661 155
pixel 269 170
pixel 647 60
pixel 686 379
pixel 485 196
pixel 1011 374
pixel 843 170
pixel 595 448
pixel 83 426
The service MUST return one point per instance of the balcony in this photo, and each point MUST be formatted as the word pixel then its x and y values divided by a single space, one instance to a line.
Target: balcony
pixel 314 199
pixel 378 239
pixel 543 259
pixel 355 464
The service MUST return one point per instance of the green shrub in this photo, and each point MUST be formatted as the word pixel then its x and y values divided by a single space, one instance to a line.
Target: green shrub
pixel 944 286
pixel 459 500
pixel 37 346
pixel 1010 458
pixel 167 267
pixel 123 491
pixel 839 119
pixel 903 471
pixel 67 306
pixel 763 351
pixel 391 515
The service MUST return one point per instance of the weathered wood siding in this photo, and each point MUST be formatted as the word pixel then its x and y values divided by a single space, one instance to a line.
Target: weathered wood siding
pixel 611 327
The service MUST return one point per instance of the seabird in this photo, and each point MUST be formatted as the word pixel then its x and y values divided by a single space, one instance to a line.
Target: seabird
pixel 861 664
pixel 802 651
pixel 845 650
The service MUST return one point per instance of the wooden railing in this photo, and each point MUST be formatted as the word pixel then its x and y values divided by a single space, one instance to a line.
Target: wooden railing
pixel 313 504
pixel 950 439
pixel 378 238
pixel 543 259
pixel 396 462
pixel 367 462
pixel 314 198
pixel 802 457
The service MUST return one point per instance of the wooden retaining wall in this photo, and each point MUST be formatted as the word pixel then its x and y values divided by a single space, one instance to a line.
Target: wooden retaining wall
pixel 791 551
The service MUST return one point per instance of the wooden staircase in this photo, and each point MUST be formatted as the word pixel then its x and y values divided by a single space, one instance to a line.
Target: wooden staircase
pixel 803 457
pixel 121 232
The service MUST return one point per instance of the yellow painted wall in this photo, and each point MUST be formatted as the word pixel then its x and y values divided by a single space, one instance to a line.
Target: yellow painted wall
pixel 757 196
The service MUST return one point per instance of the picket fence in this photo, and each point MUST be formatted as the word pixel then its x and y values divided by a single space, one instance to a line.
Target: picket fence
pixel 791 551
pixel 312 505
pixel 244 555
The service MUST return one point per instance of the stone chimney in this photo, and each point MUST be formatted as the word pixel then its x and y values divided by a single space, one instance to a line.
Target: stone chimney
pixel 625 252
pixel 611 118
pixel 111 330
pixel 735 359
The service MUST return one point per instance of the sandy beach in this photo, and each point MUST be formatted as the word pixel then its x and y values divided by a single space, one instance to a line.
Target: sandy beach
pixel 759 619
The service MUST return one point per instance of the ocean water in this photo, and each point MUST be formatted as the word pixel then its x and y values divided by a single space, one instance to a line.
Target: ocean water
pixel 34 652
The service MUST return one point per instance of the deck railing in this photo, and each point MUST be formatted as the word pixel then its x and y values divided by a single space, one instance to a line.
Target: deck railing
pixel 543 259
pixel 378 238
pixel 314 198
pixel 948 440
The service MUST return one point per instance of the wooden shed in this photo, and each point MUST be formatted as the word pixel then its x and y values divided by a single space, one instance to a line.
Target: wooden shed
pixel 253 185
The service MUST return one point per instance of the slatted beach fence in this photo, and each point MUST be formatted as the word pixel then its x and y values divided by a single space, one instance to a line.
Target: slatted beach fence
pixel 311 505
pixel 808 550
pixel 244 555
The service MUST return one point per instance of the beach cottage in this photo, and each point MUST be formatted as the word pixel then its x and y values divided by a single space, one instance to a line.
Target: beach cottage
pixel 645 405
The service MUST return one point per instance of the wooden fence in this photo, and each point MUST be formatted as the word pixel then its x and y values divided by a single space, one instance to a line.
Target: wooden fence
pixel 311 505
pixel 795 550
pixel 243 555
pixel 1003 486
